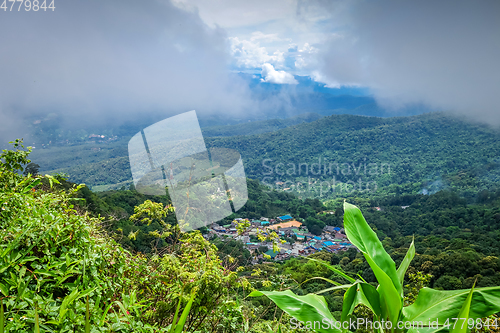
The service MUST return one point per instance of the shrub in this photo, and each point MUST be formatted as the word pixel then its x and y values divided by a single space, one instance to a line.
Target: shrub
pixel 385 302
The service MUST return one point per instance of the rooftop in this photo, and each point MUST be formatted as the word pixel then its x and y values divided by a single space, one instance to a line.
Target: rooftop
pixel 286 225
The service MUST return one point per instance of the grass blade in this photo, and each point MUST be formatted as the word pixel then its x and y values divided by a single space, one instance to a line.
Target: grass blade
pixel 338 271
pixel 182 320
pixel 37 322
pixel 87 316
pixel 401 271
pixel 2 319
pixel 464 313
pixel 103 317
pixel 176 315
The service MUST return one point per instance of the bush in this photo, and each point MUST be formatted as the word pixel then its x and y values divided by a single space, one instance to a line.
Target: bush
pixel 59 271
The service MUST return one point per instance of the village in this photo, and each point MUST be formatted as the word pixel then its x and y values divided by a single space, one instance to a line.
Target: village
pixel 299 241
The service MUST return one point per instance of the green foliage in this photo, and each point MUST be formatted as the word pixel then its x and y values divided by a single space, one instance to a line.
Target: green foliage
pixel 416 282
pixel 312 308
pixel 386 300
pixel 445 152
pixel 464 314
pixel 59 271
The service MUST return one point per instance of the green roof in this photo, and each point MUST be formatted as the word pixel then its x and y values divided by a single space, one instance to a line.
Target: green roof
pixel 271 253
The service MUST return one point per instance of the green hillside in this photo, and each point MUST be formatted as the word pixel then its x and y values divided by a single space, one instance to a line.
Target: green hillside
pixel 426 152
pixel 259 127
pixel 116 261
pixel 396 155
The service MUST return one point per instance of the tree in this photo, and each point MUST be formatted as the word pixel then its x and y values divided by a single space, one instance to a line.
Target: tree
pixel 314 225
pixel 31 168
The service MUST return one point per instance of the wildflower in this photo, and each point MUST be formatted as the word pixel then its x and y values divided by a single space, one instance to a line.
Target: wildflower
pixel 11 319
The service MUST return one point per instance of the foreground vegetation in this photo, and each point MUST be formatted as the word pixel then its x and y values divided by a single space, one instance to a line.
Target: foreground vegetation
pixel 432 310
pixel 59 272
pixel 75 261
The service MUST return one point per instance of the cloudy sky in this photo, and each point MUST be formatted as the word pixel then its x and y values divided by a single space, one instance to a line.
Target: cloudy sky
pixel 111 59
pixel 441 53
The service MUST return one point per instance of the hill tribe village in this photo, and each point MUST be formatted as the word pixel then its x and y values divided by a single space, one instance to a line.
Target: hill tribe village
pixel 299 241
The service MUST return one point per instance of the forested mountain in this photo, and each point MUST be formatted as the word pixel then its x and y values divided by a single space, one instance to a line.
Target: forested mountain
pixel 259 127
pixel 456 241
pixel 423 153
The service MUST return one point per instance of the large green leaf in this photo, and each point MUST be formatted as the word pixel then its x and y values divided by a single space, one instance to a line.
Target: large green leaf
pixel 406 262
pixel 360 293
pixel 344 286
pixel 333 269
pixel 4 289
pixel 440 305
pixel 390 301
pixel 322 278
pixel 66 303
pixel 310 308
pixel 364 238
pixel 464 314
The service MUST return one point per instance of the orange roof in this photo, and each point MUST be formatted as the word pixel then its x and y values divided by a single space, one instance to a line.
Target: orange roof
pixel 286 225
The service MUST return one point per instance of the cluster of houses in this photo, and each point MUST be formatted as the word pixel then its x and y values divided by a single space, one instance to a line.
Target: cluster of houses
pixel 332 238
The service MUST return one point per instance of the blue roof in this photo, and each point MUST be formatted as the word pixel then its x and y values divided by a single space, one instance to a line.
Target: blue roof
pixel 264 222
pixel 285 217
pixel 336 228
pixel 316 237
pixel 328 243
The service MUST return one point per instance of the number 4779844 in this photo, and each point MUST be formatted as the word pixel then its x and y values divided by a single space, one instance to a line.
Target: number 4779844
pixel 27 5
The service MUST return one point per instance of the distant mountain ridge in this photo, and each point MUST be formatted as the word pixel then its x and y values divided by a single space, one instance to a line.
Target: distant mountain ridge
pixel 259 127
pixel 427 152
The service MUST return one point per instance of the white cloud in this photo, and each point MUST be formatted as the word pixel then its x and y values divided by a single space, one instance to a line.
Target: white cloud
pixel 271 75
pixel 237 13
pixel 263 30
pixel 249 54
pixel 96 61
pixel 329 83
pixel 443 54
pixel 269 38
pixel 306 58
pixel 308 49
pixel 440 53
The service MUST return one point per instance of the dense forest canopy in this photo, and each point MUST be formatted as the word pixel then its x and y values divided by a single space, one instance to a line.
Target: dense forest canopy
pixel 440 192
pixel 401 155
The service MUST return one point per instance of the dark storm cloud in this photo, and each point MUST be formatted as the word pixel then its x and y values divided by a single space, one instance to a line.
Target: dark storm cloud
pixel 442 53
pixel 94 60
